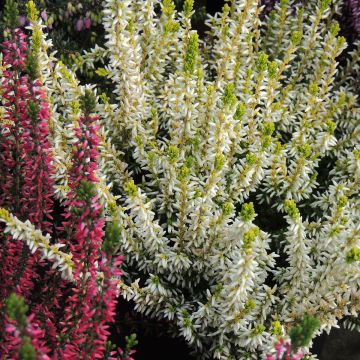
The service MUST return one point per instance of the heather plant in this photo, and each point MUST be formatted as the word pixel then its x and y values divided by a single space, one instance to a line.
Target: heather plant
pixel 55 304
pixel 224 169
pixel 230 165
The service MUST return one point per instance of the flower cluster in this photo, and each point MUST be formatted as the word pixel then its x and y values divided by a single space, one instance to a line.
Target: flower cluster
pixel 92 305
pixel 354 6
pixel 225 169
pixel 226 161
pixel 283 351
pixel 71 303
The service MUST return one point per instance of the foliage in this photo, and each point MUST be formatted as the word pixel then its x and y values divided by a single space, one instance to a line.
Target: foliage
pixel 63 310
pixel 224 168
pixel 200 136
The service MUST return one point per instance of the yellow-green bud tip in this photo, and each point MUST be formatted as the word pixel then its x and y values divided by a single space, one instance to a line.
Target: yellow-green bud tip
pixel 130 188
pixel 353 255
pixel 247 211
pixel 291 209
pixel 4 215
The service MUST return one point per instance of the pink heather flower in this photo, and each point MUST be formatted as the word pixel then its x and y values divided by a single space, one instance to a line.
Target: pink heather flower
pixel 26 184
pixel 354 6
pixel 13 338
pixel 82 310
pixel 92 305
pixel 79 24
pixel 44 15
pixel 284 351
pixel 269 357
pixel 22 20
pixel 87 23
pixel 15 88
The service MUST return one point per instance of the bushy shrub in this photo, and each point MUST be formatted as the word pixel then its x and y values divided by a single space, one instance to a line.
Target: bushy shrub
pixel 70 304
pixel 249 120
pixel 228 167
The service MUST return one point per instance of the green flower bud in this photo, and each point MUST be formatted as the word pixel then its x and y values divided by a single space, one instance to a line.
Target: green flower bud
pixel 88 102
pixel 130 25
pixel 273 69
pixel 240 111
pixel 11 14
pixel 314 89
pixel 33 109
pixel 334 28
pixel 187 322
pixel 189 161
pixel 102 72
pixel 250 305
pixel 138 140
pixel 268 128
pixel 104 98
pixel 356 153
pixel 342 201
pixel 353 255
pixel 168 7
pixel 32 66
pixel 227 208
pixel 130 188
pixel 262 62
pixel 16 309
pixel 173 153
pixel 341 41
pixel 210 90
pixel 249 238
pixel 302 334
pixel 229 97
pixel 112 207
pixel 324 4
pixel 188 7
pixel 272 15
pixel 218 288
pixel 112 237
pixel 172 26
pixel 27 351
pixel 247 211
pixel 251 159
pixel 191 54
pixel 291 209
pixel 32 11
pixel 265 141
pixel 314 176
pixel 184 173
pixel 219 162
pixel 4 215
pixel 296 37
pixel 277 328
pixel 86 190
pixel 131 342
pixel 331 126
pixel 258 330
pixel 305 150
pixel 226 9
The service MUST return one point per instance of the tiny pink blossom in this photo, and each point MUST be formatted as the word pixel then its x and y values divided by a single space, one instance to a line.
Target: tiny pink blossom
pixel 79 25
pixel 87 23
pixel 22 20
pixel 44 15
